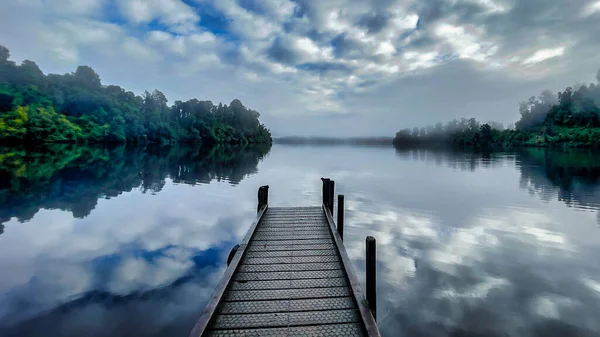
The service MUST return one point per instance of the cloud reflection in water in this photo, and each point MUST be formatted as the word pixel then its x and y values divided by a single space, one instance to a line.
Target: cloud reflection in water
pixel 469 244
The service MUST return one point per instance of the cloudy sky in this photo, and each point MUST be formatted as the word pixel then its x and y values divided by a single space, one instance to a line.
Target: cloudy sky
pixel 356 67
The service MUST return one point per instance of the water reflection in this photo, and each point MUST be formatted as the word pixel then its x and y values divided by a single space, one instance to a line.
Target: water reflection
pixel 117 241
pixel 73 178
pixel 472 257
pixel 469 244
pixel 571 176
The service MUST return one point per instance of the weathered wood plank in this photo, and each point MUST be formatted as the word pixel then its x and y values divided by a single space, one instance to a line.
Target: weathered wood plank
pixel 289 247
pixel 265 268
pixel 351 329
pixel 286 319
pixel 287 275
pixel 291 259
pixel 278 253
pixel 290 284
pixel 254 307
pixel 285 294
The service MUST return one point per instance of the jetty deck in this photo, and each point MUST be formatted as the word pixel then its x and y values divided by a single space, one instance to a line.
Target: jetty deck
pixel 290 276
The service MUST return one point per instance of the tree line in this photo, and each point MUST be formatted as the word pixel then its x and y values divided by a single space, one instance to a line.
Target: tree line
pixel 569 119
pixel 77 107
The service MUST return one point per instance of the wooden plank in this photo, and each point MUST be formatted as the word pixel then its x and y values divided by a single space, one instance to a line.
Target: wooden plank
pixel 267 268
pixel 256 307
pixel 350 329
pixel 290 275
pixel 292 259
pixel 290 284
pixel 285 294
pixel 286 319
pixel 289 247
pixel 284 253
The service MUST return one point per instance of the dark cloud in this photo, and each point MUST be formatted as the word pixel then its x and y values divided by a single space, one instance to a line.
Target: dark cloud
pixel 346 47
pixel 373 22
pixel 281 51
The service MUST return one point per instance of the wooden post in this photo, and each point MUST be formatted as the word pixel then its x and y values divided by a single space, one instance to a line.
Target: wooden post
pixel 232 254
pixel 325 190
pixel 371 275
pixel 331 194
pixel 260 199
pixel 263 197
pixel 340 216
pixel 266 195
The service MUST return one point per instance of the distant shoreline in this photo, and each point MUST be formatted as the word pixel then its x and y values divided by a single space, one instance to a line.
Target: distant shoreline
pixel 334 141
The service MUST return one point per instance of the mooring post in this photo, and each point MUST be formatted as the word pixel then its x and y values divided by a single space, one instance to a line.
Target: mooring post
pixel 331 194
pixel 263 197
pixel 371 278
pixel 260 199
pixel 266 195
pixel 325 191
pixel 232 254
pixel 340 216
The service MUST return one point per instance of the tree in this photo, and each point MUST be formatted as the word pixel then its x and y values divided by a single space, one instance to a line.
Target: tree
pixel 485 135
pixel 86 76
pixel 4 54
pixel 30 73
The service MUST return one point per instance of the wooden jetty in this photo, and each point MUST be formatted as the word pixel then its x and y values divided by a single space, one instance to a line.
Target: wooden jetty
pixel 291 276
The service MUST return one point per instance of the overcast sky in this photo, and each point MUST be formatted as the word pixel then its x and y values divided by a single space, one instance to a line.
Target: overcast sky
pixel 357 67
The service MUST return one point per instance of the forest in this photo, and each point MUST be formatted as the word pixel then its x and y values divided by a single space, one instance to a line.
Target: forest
pixel 77 107
pixel 569 119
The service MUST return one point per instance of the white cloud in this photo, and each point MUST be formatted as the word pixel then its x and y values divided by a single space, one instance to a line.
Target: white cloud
pixel 465 44
pixel 544 54
pixel 247 24
pixel 386 48
pixel 280 10
pixel 202 38
pixel 493 6
pixel 138 49
pixel 591 8
pixel 66 54
pixel 79 7
pixel 175 14
pixel 420 60
pixel 89 32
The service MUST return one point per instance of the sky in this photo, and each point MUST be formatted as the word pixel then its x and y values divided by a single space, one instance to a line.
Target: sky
pixel 314 67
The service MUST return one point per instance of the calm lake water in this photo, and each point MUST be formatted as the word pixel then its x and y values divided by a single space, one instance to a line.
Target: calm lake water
pixel 131 242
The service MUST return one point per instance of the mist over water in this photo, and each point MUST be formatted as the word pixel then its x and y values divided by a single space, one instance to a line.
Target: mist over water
pixel 128 241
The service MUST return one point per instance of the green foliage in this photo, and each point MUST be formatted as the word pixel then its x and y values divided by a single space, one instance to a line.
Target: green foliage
pixel 569 119
pixel 74 176
pixel 76 107
pixel 13 124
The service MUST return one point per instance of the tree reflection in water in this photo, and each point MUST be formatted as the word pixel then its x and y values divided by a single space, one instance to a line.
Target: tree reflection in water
pixel 73 177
